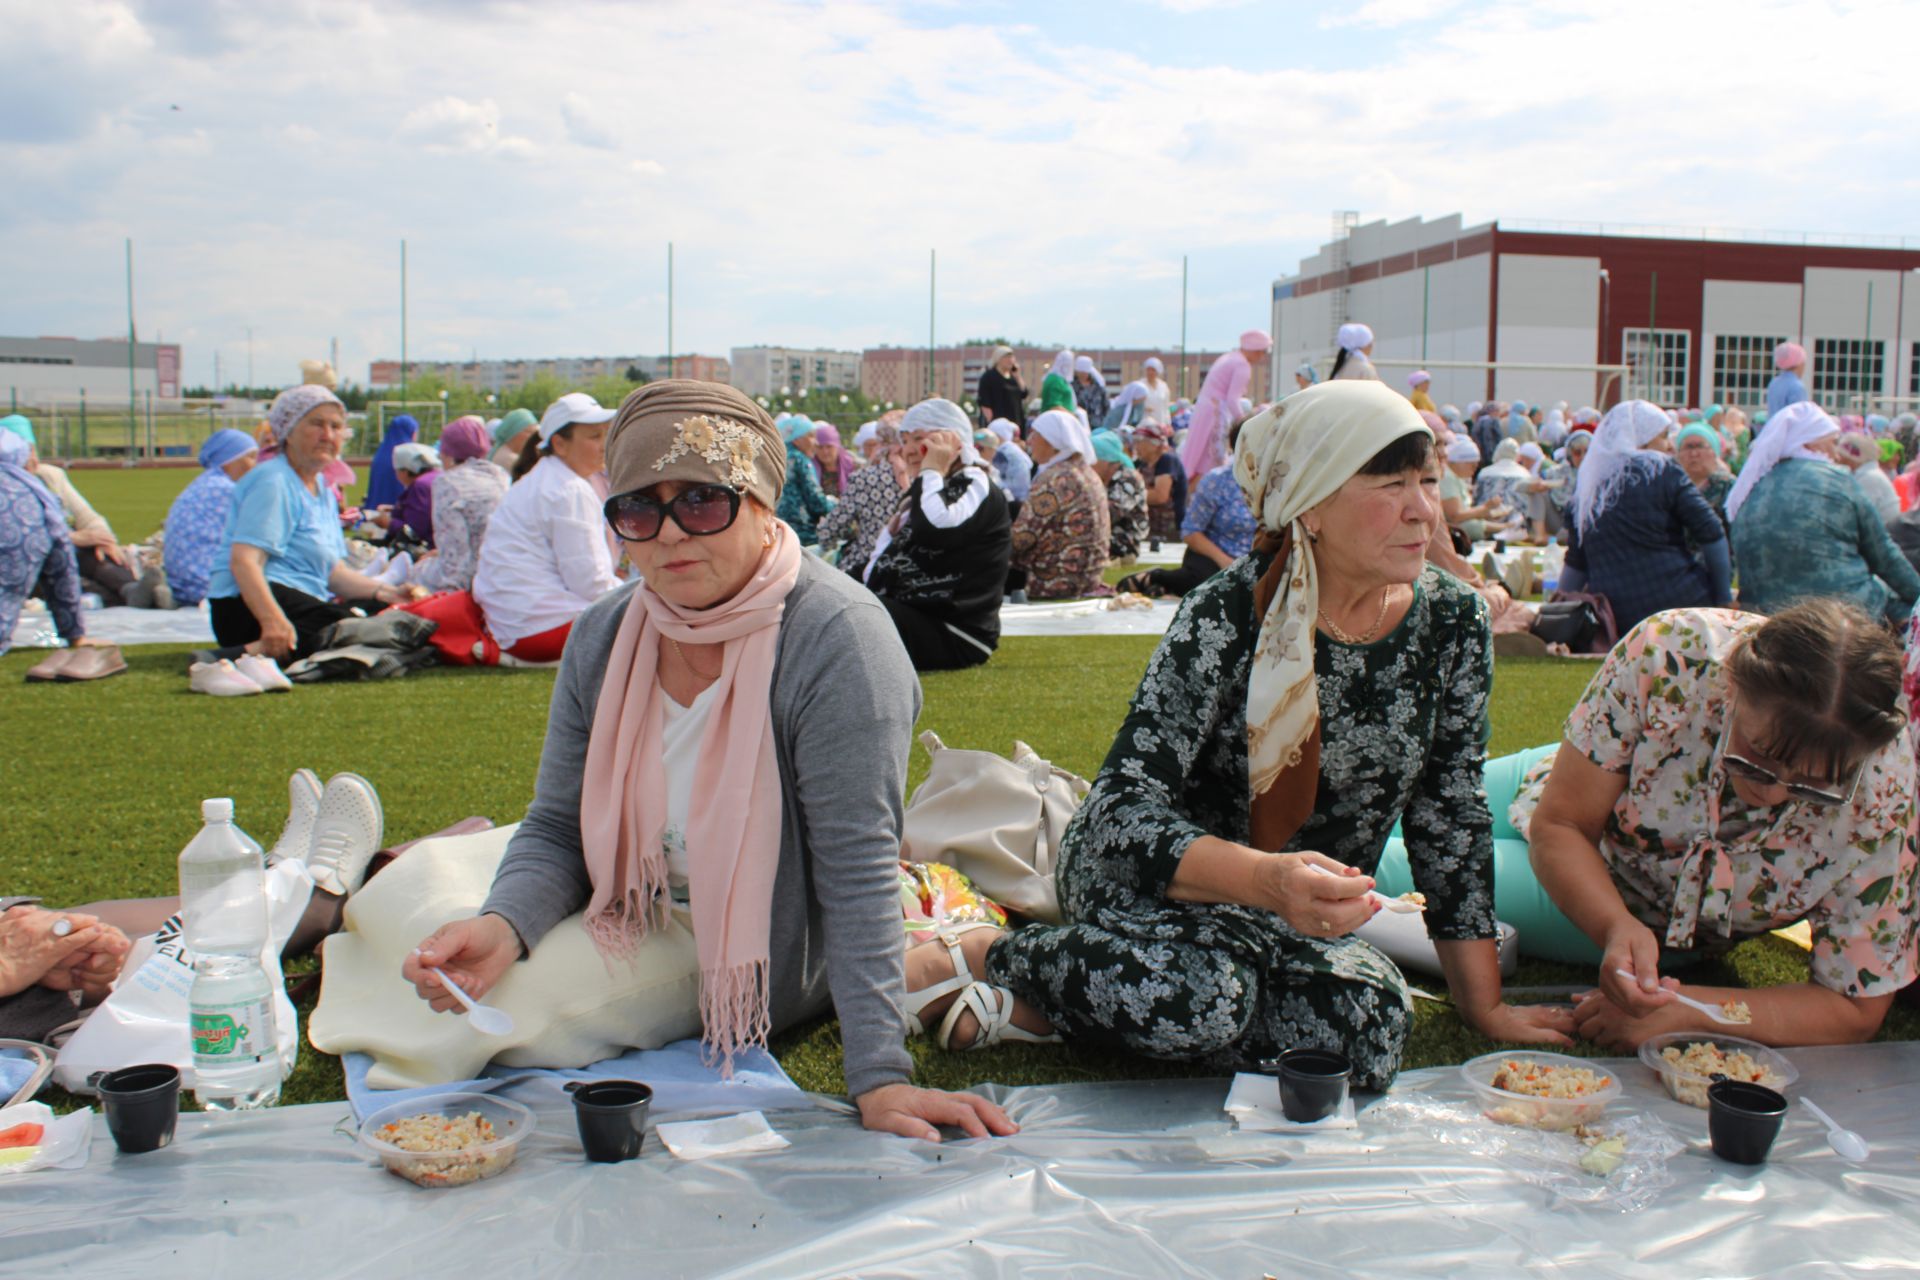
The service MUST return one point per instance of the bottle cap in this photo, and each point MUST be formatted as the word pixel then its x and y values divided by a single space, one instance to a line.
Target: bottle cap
pixel 217 810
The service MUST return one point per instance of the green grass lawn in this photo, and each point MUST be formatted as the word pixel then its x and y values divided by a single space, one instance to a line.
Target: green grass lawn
pixel 104 781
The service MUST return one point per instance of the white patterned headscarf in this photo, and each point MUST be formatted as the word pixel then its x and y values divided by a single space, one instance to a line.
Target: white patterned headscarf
pixel 1068 436
pixel 1788 434
pixel 294 404
pixel 1619 452
pixel 1288 460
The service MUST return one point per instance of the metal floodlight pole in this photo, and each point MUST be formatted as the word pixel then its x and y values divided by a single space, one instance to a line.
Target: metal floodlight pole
pixel 403 319
pixel 1183 326
pixel 1426 297
pixel 1866 347
pixel 132 338
pixel 249 360
pixel 669 308
pixel 933 263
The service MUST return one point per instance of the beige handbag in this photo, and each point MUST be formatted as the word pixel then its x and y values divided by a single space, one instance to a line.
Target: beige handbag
pixel 999 821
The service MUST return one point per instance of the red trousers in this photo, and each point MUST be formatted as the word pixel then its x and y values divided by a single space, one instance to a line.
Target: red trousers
pixel 463 639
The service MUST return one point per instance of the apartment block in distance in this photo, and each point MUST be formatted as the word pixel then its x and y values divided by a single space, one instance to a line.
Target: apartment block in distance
pixel 899 374
pixel 765 371
pixel 510 375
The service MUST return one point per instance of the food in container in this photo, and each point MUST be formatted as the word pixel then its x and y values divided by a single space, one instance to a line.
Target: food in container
pixel 447 1141
pixel 1687 1061
pixel 1540 1090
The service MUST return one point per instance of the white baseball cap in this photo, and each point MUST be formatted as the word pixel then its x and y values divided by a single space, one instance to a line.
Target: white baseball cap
pixel 575 406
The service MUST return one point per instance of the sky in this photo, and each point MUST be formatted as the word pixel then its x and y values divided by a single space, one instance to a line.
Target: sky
pixel 267 159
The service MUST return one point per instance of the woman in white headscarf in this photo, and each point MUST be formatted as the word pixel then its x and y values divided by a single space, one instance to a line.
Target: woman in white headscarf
pixel 1356 346
pixel 1634 511
pixel 1808 528
pixel 1328 664
pixel 1156 405
pixel 1456 491
pixel 1504 483
pixel 1089 391
pixel 1062 535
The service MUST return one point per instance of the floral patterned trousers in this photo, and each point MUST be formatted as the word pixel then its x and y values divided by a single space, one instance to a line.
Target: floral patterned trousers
pixel 1221 985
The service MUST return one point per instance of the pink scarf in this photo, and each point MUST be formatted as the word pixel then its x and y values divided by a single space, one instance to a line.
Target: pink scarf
pixel 733 837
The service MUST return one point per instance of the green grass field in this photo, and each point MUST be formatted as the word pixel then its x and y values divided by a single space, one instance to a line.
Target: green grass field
pixel 104 782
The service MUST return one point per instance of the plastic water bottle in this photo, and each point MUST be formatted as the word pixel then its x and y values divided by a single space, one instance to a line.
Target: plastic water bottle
pixel 223 900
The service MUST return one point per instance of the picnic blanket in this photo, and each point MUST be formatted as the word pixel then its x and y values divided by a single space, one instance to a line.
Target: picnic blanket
pixel 1141 1179
pixel 122 626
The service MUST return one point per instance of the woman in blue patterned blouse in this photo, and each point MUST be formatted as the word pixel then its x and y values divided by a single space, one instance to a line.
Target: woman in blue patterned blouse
pixel 197 521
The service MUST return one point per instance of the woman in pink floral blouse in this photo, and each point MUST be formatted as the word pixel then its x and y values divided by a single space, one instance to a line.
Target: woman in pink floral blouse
pixel 1724 775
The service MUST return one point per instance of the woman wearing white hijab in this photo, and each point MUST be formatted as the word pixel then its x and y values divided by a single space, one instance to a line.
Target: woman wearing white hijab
pixel 1634 511
pixel 1089 391
pixel 1324 687
pixel 1063 532
pixel 1356 345
pixel 1810 530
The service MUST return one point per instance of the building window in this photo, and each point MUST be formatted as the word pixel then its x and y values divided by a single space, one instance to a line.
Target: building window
pixel 1742 367
pixel 36 359
pixel 1844 368
pixel 1657 362
pixel 1913 373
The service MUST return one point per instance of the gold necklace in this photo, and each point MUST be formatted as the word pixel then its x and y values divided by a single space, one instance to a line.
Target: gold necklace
pixel 689 661
pixel 1344 638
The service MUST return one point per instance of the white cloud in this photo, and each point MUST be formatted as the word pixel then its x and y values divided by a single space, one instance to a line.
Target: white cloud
pixel 647 168
pixel 584 125
pixel 454 124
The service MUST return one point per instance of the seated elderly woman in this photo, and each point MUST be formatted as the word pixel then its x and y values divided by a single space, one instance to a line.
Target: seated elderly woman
pixel 510 436
pixel 833 462
pixel 97 552
pixel 196 525
pixel 1325 687
pixel 1126 496
pixel 1165 477
pixel 1724 775
pixel 940 567
pixel 383 477
pixel 1861 455
pixel 410 522
pixel 52 965
pixel 870 499
pixel 1506 484
pixel 544 558
pixel 1219 529
pixel 700 680
pixel 1011 464
pixel 1061 534
pixel 1802 527
pixel 1456 492
pixel 1697 450
pixel 1635 514
pixel 802 503
pixel 36 550
pixel 468 490
pixel 283 579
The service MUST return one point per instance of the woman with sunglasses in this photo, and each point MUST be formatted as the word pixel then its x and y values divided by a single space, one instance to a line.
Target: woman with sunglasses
pixel 716 807
pixel 1725 775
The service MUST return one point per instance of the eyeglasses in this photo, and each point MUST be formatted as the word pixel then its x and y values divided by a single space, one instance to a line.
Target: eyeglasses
pixel 1761 776
pixel 703 510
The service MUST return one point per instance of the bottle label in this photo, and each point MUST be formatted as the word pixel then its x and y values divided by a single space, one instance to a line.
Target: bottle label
pixel 231 1033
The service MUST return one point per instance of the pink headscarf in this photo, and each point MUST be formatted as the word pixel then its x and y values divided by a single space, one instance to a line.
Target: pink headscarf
pixel 844 465
pixel 731 876
pixel 1789 355
pixel 1255 340
pixel 465 438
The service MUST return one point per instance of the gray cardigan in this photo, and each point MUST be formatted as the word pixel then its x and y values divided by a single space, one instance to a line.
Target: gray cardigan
pixel 845 699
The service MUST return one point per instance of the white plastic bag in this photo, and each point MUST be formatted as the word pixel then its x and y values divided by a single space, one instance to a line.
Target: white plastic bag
pixel 145 1017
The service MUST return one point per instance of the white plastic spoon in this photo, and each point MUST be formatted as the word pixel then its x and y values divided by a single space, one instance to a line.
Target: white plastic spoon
pixel 1400 905
pixel 1848 1144
pixel 484 1018
pixel 1711 1010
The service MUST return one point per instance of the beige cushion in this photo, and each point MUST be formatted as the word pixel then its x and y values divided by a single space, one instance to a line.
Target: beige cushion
pixel 569 1006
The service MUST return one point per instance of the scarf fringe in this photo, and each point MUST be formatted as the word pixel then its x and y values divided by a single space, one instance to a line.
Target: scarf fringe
pixel 618 931
pixel 733 1013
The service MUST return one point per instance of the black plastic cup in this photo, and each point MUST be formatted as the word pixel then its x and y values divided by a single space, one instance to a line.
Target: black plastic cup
pixel 612 1116
pixel 1743 1119
pixel 142 1105
pixel 1313 1082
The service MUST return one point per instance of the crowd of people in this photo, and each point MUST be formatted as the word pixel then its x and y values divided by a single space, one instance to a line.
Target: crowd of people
pixel 1321 693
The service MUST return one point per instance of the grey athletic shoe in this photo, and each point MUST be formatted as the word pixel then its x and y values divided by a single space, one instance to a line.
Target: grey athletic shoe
pixel 346 834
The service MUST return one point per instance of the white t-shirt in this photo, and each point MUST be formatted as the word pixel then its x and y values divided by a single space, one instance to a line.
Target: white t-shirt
pixel 681 729
pixel 545 557
pixel 1154 405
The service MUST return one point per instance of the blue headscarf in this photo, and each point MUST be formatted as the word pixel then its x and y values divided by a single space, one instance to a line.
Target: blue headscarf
pixel 224 446
pixel 795 426
pixel 383 486
pixel 13 462
pixel 1517 420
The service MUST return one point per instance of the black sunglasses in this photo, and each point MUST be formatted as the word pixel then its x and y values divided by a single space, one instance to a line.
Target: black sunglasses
pixel 702 510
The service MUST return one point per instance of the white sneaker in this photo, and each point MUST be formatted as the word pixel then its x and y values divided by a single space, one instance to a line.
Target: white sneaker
pixel 221 679
pixel 397 570
pixel 263 671
pixel 296 838
pixel 346 834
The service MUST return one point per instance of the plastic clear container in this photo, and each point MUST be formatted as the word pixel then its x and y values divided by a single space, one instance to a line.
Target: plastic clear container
pixel 511 1124
pixel 1690 1086
pixel 1506 1107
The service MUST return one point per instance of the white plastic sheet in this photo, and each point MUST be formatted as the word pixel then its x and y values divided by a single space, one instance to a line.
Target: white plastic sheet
pixel 1140 1179
pixel 120 625
pixel 1085 618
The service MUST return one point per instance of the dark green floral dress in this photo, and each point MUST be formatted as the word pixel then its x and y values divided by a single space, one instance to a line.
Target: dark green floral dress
pixel 1404 730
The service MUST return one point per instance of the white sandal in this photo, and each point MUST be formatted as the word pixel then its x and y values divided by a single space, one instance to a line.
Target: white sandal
pixel 917 1001
pixel 993 1007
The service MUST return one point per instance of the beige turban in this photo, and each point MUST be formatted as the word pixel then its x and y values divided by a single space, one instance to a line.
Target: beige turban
pixel 695 433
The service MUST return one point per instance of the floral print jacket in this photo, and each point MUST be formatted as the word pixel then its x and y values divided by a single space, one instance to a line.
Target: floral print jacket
pixel 1061 535
pixel 1692 861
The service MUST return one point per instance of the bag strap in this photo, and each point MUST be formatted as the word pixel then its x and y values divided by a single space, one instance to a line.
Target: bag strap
pixel 42 1072
pixel 931 741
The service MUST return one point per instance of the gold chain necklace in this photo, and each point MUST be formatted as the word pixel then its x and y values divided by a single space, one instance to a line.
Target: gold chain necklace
pixel 1344 638
pixel 689 661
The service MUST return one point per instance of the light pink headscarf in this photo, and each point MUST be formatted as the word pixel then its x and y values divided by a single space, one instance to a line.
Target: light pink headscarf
pixel 735 843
